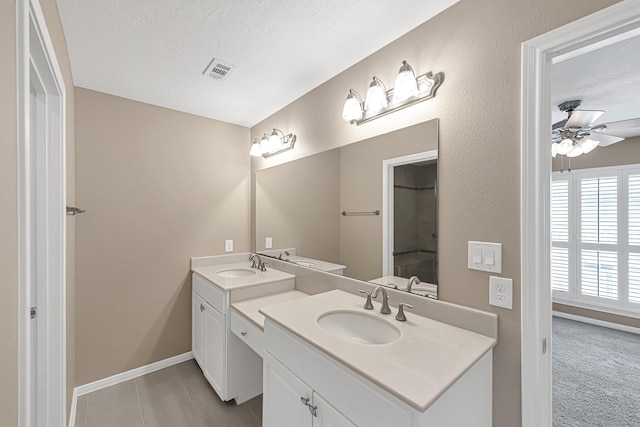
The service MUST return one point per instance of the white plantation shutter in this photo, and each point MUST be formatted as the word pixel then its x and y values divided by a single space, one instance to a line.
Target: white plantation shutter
pixel 560 235
pixel 595 238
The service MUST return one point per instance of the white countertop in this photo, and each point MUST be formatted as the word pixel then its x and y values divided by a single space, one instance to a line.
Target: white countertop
pixel 209 272
pixel 417 368
pixel 250 308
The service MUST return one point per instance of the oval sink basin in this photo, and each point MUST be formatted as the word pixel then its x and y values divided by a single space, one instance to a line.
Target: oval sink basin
pixel 304 263
pixel 236 272
pixel 359 327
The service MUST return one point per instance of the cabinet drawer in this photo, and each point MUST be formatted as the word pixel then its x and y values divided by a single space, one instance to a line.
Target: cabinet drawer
pixel 247 332
pixel 213 295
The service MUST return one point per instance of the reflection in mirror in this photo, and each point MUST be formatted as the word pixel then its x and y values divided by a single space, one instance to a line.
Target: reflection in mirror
pixel 299 205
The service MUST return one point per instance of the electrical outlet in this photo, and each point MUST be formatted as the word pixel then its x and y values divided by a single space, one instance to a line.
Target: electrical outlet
pixel 501 292
pixel 228 245
pixel 268 244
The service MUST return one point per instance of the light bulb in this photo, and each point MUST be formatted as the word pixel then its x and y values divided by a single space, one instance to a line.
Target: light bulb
pixel 554 150
pixel 265 145
pixel 275 141
pixel 352 109
pixel 255 150
pixel 575 151
pixel 376 97
pixel 565 146
pixel 406 85
pixel 588 145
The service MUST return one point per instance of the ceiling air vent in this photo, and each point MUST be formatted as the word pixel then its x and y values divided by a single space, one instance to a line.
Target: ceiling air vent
pixel 218 70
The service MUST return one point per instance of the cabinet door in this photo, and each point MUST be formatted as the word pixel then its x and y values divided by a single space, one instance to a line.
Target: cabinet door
pixel 327 415
pixel 197 306
pixel 284 397
pixel 214 348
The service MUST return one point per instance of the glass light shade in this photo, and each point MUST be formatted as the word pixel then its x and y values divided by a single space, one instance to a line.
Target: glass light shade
pixel 588 144
pixel 265 145
pixel 255 149
pixel 554 150
pixel 565 146
pixel 352 109
pixel 406 85
pixel 575 151
pixel 275 141
pixel 376 98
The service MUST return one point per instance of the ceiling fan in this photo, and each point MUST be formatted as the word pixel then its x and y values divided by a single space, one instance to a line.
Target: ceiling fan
pixel 576 135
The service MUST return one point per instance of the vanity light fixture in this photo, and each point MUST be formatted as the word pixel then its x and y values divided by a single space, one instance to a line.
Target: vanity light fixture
pixel 272 144
pixel 408 90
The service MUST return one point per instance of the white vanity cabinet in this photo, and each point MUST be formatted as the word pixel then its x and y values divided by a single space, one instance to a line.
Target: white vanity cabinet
pixel 233 369
pixel 289 402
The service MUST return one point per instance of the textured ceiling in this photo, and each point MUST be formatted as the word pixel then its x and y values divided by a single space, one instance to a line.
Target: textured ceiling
pixel 606 79
pixel 155 51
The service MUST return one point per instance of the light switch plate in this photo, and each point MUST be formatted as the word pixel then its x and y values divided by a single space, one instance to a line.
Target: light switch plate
pixel 485 256
pixel 501 292
pixel 228 245
pixel 268 244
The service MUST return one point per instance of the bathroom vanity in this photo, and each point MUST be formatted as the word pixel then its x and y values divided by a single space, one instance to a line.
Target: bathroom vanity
pixel 322 359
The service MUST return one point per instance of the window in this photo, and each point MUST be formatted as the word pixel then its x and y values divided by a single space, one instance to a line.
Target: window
pixel 595 239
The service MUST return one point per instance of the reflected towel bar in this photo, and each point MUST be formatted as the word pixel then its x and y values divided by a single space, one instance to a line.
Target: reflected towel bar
pixel 345 213
pixel 73 211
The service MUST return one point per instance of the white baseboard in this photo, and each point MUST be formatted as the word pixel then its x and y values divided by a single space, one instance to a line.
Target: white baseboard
pixel 597 322
pixel 122 377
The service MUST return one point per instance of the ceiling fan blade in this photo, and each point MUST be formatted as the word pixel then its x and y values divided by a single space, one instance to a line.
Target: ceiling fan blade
pixel 624 128
pixel 583 118
pixel 604 139
pixel 559 124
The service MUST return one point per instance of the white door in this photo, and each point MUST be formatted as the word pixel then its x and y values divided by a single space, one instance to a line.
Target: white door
pixel 327 415
pixel 42 224
pixel 214 348
pixel 285 397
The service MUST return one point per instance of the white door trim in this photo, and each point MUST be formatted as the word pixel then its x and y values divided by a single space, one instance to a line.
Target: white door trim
pixel 387 202
pixel 537 56
pixel 34 46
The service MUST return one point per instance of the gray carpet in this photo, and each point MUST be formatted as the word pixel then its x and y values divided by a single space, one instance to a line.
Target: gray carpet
pixel 596 376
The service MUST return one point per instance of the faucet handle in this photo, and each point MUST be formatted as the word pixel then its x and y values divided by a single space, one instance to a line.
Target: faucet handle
pixel 263 267
pixel 400 317
pixel 367 305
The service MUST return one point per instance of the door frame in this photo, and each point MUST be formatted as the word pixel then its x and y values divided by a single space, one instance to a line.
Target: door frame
pixel 538 55
pixel 387 202
pixel 34 46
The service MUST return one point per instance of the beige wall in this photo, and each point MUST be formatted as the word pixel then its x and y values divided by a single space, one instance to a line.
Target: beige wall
pixel 625 152
pixel 159 187
pixel 298 205
pixel 8 219
pixel 361 190
pixel 9 213
pixel 477 44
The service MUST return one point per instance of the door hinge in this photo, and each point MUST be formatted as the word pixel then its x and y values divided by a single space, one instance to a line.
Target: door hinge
pixel 34 312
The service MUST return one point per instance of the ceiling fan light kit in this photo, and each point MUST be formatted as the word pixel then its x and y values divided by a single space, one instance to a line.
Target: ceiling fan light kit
pixel 578 135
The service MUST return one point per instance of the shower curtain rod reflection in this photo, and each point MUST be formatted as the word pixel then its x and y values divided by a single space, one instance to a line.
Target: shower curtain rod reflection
pixel 345 213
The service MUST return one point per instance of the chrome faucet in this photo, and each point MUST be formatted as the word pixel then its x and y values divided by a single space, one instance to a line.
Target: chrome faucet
pixel 260 265
pixel 385 299
pixel 284 253
pixel 413 280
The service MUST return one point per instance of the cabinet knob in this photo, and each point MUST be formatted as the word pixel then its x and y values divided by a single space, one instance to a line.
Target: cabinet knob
pixel 201 307
pixel 244 334
pixel 305 401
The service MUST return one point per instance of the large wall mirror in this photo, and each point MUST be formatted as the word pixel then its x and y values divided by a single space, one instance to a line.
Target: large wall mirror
pixel 369 208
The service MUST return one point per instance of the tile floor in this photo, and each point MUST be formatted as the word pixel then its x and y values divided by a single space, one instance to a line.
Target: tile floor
pixel 173 397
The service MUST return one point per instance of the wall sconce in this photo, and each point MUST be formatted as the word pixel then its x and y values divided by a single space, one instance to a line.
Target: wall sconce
pixel 379 102
pixel 270 145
